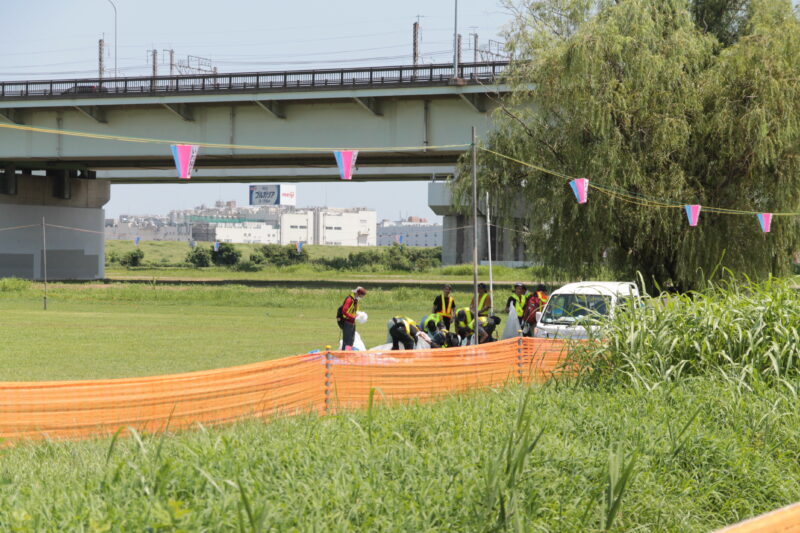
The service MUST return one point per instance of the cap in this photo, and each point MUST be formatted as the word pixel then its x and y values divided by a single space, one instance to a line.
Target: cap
pixel 360 291
pixel 519 284
pixel 447 286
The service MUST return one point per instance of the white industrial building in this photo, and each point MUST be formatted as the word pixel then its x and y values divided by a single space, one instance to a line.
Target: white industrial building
pixel 247 233
pixel 413 231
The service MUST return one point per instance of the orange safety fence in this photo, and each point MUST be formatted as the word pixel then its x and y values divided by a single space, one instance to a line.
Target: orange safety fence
pixel 318 382
pixel 784 520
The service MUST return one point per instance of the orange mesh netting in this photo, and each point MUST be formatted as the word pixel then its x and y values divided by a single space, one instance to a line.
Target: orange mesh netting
pixel 297 384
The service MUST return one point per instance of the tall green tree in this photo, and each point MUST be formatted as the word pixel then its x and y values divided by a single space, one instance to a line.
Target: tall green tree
pixel 643 99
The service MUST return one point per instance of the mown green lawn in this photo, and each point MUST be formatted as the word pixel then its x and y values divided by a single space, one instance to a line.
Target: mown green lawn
pixel 96 330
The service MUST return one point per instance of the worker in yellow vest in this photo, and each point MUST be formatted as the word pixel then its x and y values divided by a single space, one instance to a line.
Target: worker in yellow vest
pixel 484 301
pixel 405 331
pixel 465 322
pixel 518 299
pixel 346 316
pixel 444 304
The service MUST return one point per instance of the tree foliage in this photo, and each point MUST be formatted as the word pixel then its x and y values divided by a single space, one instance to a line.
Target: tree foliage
pixel 280 255
pixel 199 257
pixel 661 110
pixel 226 255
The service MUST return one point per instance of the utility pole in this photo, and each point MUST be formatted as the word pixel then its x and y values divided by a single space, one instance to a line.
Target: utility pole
pixel 101 68
pixel 474 47
pixel 455 45
pixel 155 63
pixel 416 44
pixel 44 262
pixel 458 48
pixel 475 231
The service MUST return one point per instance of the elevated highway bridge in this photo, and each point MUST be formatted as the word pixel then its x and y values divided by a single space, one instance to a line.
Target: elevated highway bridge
pixel 63 142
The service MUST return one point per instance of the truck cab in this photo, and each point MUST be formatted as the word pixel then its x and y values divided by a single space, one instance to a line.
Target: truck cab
pixel 573 311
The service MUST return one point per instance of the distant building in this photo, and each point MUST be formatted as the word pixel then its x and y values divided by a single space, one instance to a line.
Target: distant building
pixel 413 231
pixel 253 224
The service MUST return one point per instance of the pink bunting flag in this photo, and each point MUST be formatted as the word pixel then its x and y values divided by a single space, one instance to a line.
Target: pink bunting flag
pixel 184 155
pixel 346 161
pixel 693 213
pixel 580 187
pixel 765 219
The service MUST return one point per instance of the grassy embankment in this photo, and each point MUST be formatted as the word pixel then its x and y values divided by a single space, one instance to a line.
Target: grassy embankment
pixel 687 422
pixel 165 260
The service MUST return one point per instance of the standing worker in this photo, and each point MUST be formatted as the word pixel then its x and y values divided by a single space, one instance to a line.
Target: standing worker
pixel 444 305
pixel 346 316
pixel 535 303
pixel 484 301
pixel 405 331
pixel 518 299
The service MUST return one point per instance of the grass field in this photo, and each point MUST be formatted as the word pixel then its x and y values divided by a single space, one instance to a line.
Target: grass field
pixel 687 421
pixel 97 330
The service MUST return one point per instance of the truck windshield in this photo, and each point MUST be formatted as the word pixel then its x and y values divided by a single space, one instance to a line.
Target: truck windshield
pixel 570 308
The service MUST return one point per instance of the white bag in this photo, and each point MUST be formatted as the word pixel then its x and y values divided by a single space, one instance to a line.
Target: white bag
pixel 358 344
pixel 512 324
pixel 422 344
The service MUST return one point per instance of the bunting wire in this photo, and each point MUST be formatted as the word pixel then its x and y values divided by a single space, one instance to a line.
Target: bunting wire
pixel 631 197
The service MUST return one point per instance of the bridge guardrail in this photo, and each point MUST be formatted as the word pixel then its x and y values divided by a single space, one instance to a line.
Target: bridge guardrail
pixel 252 81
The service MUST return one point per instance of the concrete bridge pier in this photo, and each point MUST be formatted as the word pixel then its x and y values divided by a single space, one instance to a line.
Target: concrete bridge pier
pixel 72 209
pixel 508 247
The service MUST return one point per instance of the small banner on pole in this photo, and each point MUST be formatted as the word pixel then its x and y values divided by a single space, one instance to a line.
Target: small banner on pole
pixel 346 161
pixel 136 241
pixel 580 187
pixel 765 219
pixel 692 213
pixel 299 247
pixel 184 155
pixel 216 247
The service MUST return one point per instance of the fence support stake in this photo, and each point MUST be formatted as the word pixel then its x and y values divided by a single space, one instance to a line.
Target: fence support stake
pixel 327 379
pixel 519 355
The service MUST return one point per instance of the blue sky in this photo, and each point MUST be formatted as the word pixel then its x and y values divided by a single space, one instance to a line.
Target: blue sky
pixel 48 39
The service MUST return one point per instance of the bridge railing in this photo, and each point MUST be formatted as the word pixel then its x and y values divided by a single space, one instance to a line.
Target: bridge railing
pixel 253 81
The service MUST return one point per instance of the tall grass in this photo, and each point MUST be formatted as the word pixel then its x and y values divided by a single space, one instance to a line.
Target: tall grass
pixel 742 330
pixel 519 459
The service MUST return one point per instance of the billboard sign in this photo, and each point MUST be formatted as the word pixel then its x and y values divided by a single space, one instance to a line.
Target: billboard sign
pixel 273 195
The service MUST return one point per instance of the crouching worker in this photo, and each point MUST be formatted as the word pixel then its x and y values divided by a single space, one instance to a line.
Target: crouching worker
pixel 346 316
pixel 444 339
pixel 465 323
pixel 486 328
pixel 432 323
pixel 405 331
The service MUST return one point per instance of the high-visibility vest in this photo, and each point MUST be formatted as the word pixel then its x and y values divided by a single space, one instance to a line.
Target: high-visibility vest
pixel 353 309
pixel 519 302
pixel 407 322
pixel 447 306
pixel 480 304
pixel 542 298
pixel 434 318
pixel 470 323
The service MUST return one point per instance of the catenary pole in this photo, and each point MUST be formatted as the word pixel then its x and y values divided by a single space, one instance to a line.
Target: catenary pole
pixel 455 43
pixel 116 72
pixel 475 233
